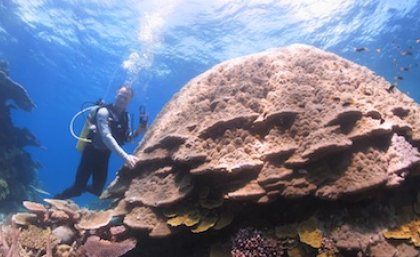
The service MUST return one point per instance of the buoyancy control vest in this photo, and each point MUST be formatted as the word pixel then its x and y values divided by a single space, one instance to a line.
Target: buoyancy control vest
pixel 119 126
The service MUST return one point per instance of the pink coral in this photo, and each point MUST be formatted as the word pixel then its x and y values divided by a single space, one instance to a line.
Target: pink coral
pixel 96 247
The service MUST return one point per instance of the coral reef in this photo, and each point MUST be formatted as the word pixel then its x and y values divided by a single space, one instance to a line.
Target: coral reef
pixel 17 169
pixel 64 229
pixel 282 125
pixel 288 152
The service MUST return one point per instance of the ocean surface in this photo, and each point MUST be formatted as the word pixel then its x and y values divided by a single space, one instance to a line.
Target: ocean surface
pixel 69 52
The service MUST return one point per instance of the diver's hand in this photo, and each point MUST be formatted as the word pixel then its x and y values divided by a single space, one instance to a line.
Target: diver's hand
pixel 130 161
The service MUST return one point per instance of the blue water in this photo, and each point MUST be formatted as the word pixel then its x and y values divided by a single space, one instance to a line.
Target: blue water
pixel 68 52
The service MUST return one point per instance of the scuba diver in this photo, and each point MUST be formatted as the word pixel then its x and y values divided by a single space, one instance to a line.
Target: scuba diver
pixel 108 129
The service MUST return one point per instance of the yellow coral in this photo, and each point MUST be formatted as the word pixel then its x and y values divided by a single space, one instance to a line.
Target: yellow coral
pixel 188 218
pixel 415 239
pixel 402 232
pixel 199 219
pixel 176 221
pixel 409 230
pixel 202 214
pixel 192 218
pixel 309 233
pixel 205 224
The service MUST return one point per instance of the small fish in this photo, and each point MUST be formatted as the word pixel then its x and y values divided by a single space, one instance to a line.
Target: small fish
pixel 391 88
pixel 406 53
pixel 361 49
pixel 39 190
pixel 398 78
pixel 394 61
pixel 418 41
pixel 378 50
pixel 405 68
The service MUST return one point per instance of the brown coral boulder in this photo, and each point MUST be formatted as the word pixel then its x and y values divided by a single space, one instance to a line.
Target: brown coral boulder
pixel 284 123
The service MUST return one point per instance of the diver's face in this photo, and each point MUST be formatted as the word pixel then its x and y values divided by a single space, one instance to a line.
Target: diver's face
pixel 123 98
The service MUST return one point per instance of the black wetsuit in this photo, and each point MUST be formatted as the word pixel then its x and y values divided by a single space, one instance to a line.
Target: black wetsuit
pixel 95 157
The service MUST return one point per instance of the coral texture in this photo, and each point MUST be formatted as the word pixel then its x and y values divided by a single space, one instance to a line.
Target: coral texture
pixel 286 110
pixel 95 247
pixel 249 242
pixel 95 220
pixel 282 124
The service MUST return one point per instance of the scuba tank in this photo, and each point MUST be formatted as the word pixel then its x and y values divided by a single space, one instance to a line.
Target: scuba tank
pixel 81 142
pixel 83 138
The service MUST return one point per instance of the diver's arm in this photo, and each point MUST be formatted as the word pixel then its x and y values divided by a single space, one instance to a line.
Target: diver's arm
pixel 106 136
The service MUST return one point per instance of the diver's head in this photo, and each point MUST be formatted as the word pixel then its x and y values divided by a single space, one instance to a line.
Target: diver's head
pixel 123 97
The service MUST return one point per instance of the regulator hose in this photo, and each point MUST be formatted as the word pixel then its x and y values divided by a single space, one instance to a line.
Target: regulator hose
pixel 71 126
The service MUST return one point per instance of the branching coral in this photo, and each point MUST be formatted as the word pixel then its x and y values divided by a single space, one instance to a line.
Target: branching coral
pixel 35 237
